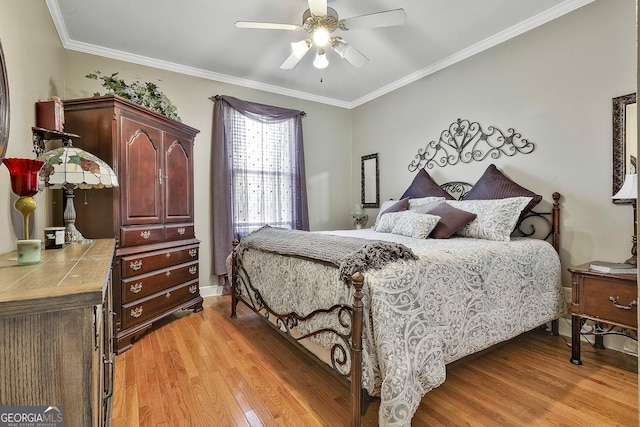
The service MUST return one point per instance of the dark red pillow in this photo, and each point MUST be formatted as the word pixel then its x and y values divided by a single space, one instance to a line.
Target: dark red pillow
pixel 493 184
pixel 451 219
pixel 424 186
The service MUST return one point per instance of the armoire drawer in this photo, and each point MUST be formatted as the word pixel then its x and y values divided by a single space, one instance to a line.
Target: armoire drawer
pixel 145 262
pixel 147 308
pixel 141 235
pixel 140 286
pixel 179 231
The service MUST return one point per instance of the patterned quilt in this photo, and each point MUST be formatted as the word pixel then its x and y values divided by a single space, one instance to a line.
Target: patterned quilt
pixel 461 296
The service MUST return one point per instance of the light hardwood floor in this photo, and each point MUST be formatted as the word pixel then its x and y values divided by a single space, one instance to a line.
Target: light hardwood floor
pixel 205 369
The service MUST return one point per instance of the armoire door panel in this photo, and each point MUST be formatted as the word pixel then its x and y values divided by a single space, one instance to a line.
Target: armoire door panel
pixel 179 180
pixel 141 186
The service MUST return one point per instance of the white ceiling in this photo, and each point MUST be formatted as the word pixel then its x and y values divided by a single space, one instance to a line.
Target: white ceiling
pixel 198 37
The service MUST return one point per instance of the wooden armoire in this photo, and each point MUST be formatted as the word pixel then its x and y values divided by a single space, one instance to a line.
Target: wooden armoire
pixel 155 268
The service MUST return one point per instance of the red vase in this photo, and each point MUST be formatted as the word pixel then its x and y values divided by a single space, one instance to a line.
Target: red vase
pixel 24 184
pixel 24 176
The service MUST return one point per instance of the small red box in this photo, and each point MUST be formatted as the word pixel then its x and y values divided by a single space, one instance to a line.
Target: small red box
pixel 50 115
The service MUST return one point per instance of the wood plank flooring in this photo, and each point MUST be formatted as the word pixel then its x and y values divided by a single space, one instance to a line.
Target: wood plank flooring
pixel 205 369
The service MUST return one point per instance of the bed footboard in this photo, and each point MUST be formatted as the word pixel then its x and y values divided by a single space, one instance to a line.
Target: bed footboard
pixel 346 354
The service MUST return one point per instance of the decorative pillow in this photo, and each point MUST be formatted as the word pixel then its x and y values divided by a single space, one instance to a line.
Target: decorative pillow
pixel 495 219
pixel 451 219
pixel 493 184
pixel 424 186
pixel 389 206
pixel 414 203
pixel 412 224
pixel 387 222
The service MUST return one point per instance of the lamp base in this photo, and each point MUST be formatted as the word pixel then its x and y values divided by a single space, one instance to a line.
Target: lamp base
pixel 634 239
pixel 71 233
pixel 634 252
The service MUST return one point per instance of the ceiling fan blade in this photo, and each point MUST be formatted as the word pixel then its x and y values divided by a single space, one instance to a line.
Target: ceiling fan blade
pixel 380 19
pixel 266 25
pixel 318 7
pixel 350 53
pixel 298 50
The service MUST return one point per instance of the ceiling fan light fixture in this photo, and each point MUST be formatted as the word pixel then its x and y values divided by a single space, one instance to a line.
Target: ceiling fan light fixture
pixel 321 60
pixel 321 36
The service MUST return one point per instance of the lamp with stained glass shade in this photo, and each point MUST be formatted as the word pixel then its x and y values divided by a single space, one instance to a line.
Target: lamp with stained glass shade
pixel 24 184
pixel 68 168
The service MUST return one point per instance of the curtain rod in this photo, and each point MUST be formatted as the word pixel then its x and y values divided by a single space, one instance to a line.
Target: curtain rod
pixel 217 98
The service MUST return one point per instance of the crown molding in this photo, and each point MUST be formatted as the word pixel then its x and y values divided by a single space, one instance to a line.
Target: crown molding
pixel 520 28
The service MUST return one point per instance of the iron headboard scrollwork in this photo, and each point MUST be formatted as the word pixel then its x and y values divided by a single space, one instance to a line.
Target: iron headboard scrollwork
pixel 466 141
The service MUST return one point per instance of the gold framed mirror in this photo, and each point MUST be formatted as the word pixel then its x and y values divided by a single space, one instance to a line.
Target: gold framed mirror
pixel 4 106
pixel 370 181
pixel 625 151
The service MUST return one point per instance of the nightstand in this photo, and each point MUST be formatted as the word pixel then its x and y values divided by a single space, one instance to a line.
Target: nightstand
pixel 610 300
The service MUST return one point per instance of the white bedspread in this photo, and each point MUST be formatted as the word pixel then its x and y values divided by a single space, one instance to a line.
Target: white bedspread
pixel 463 295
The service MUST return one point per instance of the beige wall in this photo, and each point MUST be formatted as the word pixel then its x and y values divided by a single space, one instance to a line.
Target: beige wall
pixel 326 138
pixel 35 67
pixel 554 85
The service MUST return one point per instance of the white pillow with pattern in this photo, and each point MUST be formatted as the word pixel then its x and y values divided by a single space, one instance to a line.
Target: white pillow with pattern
pixel 495 219
pixel 387 222
pixel 417 225
pixel 413 203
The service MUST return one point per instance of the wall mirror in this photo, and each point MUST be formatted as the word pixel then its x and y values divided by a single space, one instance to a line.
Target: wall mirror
pixel 370 181
pixel 4 106
pixel 625 150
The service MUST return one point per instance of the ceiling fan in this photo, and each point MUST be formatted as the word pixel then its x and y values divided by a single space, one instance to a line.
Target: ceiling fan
pixel 320 22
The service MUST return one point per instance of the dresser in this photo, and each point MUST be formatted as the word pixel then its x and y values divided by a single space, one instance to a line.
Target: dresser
pixel 56 332
pixel 610 300
pixel 156 270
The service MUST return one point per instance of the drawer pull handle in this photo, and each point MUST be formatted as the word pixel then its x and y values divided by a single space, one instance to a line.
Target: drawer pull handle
pixel 193 252
pixel 193 269
pixel 614 301
pixel 181 231
pixel 168 273
pixel 168 295
pixel 136 265
pixel 145 234
pixel 168 255
pixel 136 287
pixel 136 312
pixel 193 289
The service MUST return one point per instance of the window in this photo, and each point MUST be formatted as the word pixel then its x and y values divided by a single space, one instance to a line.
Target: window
pixel 257 172
pixel 263 174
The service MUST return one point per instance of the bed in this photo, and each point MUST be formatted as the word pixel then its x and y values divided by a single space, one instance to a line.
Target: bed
pixel 391 328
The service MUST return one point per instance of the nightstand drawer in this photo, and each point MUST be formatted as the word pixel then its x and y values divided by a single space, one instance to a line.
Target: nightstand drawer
pixel 610 300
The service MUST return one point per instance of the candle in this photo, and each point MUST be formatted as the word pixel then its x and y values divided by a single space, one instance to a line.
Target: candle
pixel 28 252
